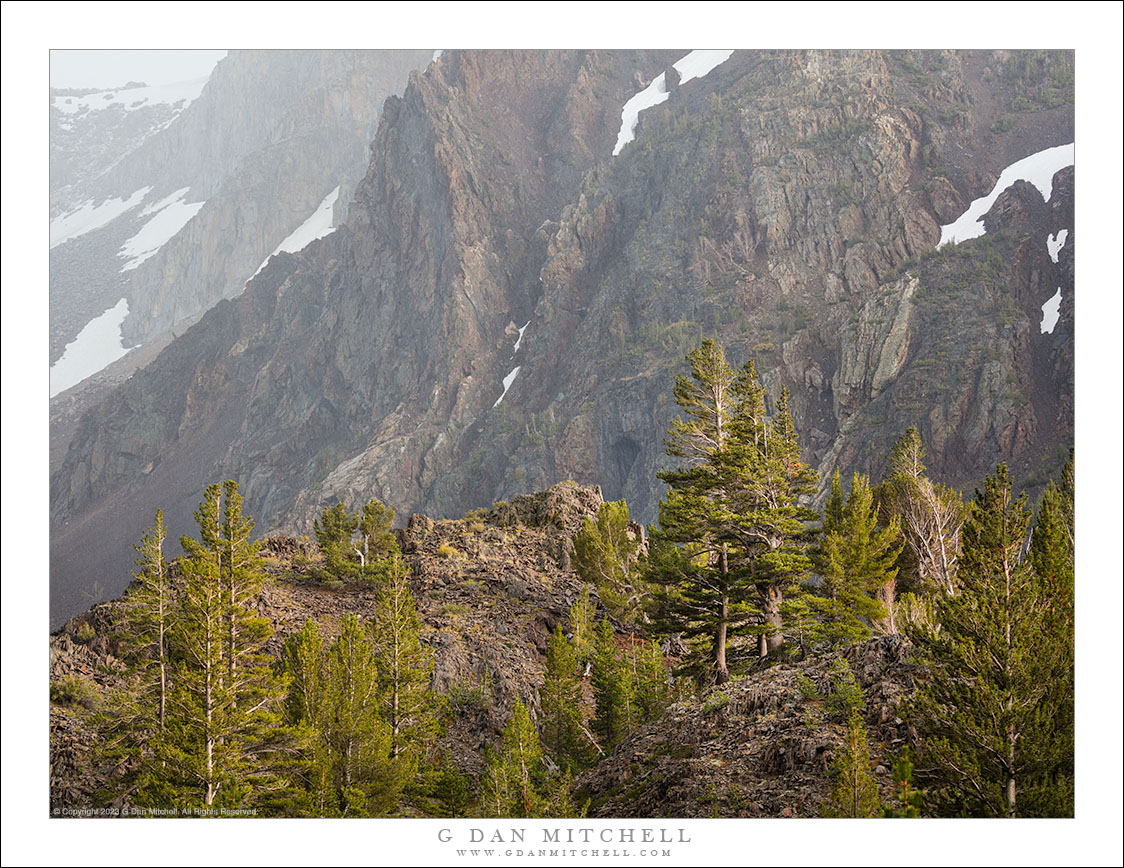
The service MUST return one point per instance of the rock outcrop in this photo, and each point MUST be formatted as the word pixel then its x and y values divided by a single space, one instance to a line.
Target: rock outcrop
pixel 758 747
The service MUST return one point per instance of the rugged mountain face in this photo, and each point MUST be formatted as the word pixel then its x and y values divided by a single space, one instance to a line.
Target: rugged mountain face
pixel 269 136
pixel 508 303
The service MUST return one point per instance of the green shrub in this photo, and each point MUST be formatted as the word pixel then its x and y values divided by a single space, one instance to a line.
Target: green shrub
pixel 86 632
pixel 71 690
pixel 450 552
pixel 846 696
pixel 467 697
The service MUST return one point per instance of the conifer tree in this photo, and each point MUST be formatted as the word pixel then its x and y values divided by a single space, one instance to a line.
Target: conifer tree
pixel 334 696
pixel 304 658
pixel 132 724
pixel 930 516
pixel 987 714
pixel 855 793
pixel 733 533
pixel 580 625
pixel 605 551
pixel 224 743
pixel 1049 792
pixel 857 560
pixel 515 777
pixel 377 542
pixel 149 611
pixel 614 700
pixel 348 556
pixel 772 520
pixel 364 778
pixel 907 800
pixel 405 669
pixel 334 530
pixel 650 681
pixel 563 733
pixel 698 594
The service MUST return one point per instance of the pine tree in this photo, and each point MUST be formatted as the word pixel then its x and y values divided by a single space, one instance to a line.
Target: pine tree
pixel 563 732
pixel 930 516
pixel 223 743
pixel 614 701
pixel 304 658
pixel 733 533
pixel 650 681
pixel 1049 793
pixel 907 800
pixel 133 720
pixel 773 523
pixel 405 669
pixel 697 593
pixel 580 625
pixel 334 696
pixel 515 777
pixel 987 713
pixel 365 779
pixel 377 543
pixel 149 609
pixel 855 793
pixel 347 557
pixel 334 530
pixel 605 551
pixel 857 561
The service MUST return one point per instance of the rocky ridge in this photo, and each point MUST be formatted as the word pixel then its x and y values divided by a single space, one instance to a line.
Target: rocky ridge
pixel 490 589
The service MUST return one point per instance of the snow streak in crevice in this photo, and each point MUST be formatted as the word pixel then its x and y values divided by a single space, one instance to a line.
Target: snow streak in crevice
pixel 1051 308
pixel 95 347
pixel 170 215
pixel 1055 243
pixel 694 65
pixel 1039 169
pixel 318 225
pixel 507 381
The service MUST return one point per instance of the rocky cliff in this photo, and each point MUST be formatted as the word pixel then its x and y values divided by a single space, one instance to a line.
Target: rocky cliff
pixel 508 303
pixel 268 137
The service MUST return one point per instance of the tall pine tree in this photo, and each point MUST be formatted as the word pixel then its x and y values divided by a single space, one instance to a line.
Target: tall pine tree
pixel 405 669
pixel 987 713
pixel 224 743
pixel 857 563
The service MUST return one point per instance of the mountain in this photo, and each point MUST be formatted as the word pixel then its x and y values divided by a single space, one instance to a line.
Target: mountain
pixel 516 284
pixel 165 200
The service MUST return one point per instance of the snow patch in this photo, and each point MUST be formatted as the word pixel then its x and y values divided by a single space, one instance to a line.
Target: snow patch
pixel 316 226
pixel 97 345
pixel 700 62
pixel 437 54
pixel 1050 311
pixel 87 217
pixel 1054 244
pixel 171 214
pixel 507 381
pixel 132 98
pixel 1038 169
pixel 519 340
pixel 696 64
